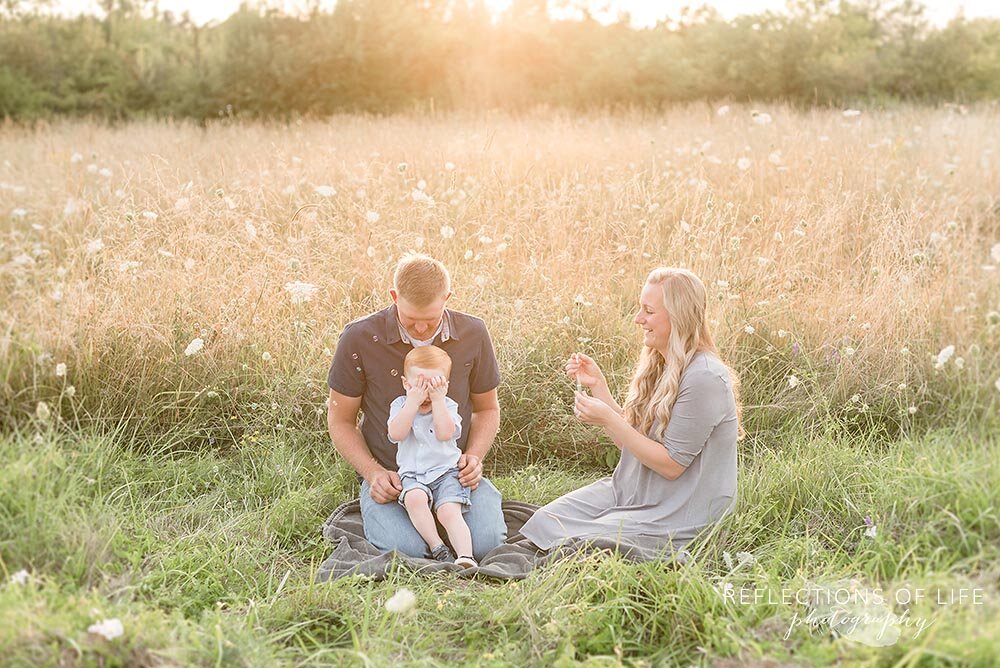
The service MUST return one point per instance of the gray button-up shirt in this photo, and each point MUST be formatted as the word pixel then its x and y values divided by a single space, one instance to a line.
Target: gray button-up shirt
pixel 368 363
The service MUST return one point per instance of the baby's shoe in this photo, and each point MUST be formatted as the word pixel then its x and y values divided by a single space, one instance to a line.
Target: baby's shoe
pixel 467 562
pixel 442 553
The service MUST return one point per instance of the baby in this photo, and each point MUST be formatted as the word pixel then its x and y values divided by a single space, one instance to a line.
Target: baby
pixel 425 425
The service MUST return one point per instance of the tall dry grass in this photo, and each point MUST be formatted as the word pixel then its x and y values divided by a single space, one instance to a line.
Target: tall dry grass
pixel 842 242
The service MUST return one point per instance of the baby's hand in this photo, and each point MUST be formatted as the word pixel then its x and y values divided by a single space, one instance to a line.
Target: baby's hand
pixel 437 388
pixel 416 391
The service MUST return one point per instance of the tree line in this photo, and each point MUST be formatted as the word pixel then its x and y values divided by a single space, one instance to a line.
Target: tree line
pixel 383 56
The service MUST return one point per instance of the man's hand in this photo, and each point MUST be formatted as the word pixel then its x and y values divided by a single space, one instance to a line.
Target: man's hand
pixel 385 485
pixel 470 471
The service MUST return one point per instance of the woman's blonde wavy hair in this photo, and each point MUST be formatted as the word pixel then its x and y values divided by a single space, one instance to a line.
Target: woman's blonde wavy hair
pixel 655 383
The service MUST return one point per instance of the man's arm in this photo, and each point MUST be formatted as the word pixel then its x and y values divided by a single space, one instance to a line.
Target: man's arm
pixel 342 423
pixel 485 424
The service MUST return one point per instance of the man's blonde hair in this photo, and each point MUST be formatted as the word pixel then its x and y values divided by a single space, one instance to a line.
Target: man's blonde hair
pixel 427 357
pixel 420 279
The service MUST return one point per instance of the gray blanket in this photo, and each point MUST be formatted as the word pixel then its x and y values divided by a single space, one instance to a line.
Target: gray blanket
pixel 514 560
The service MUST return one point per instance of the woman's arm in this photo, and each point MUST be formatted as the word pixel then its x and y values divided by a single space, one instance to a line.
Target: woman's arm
pixel 700 406
pixel 650 454
pixel 603 393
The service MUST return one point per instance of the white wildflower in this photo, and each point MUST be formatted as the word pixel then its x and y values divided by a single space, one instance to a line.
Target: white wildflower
pixel 182 204
pixel 851 113
pixel 19 213
pixel 960 362
pixel 23 260
pixel 75 158
pixel 370 252
pixel 128 265
pixel 105 172
pixel 372 216
pixel 761 117
pixel 150 215
pixel 849 351
pixel 449 166
pixel 944 356
pixel 94 247
pixel 301 292
pixel 997 384
pixel 749 329
pixel 782 333
pixel 420 196
pixel 744 163
pixel 61 369
pixel 774 157
pixel 42 411
pixel 722 111
pixel 793 381
pixel 871 531
pixel 20 578
pixel 402 602
pixel 70 391
pixel 468 255
pixel 109 629
pixel 91 168
pixel 912 410
pixel 481 281
pixel 447 232
pixel 266 356
pixel 325 191
pixel 194 347
pixel 995 252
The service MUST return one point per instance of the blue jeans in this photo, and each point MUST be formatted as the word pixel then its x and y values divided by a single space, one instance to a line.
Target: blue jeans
pixel 388 526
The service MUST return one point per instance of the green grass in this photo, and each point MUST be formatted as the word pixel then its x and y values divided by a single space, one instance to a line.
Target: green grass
pixel 208 558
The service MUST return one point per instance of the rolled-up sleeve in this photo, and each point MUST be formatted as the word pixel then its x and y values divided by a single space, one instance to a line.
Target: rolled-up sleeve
pixel 347 374
pixel 700 407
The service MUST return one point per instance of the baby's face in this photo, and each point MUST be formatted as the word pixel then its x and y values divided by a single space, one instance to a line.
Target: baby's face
pixel 416 373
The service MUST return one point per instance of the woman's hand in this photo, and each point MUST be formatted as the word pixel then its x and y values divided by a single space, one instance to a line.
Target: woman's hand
pixel 585 370
pixel 593 411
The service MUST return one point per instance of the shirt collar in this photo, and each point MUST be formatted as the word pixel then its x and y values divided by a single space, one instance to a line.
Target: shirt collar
pixel 395 332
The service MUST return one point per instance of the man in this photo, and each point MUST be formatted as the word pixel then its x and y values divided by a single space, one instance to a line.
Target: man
pixel 366 375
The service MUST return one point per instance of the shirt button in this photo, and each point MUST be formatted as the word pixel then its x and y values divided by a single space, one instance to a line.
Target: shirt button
pixel 354 356
pixel 394 373
pixel 375 339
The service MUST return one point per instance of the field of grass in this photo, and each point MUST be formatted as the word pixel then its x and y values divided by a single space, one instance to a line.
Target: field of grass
pixel 170 297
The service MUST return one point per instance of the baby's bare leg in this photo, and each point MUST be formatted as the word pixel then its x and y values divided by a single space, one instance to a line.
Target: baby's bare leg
pixel 451 518
pixel 419 511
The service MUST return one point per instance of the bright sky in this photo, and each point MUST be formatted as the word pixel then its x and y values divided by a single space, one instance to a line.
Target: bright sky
pixel 644 12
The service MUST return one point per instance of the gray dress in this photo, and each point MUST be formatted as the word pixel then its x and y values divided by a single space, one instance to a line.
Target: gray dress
pixel 634 500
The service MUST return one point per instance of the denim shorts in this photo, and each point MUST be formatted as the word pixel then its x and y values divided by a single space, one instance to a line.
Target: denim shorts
pixel 444 489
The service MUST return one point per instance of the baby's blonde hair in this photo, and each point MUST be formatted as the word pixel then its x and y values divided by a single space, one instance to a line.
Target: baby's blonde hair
pixel 427 357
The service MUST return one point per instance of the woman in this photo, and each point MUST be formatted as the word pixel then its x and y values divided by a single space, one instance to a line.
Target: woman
pixel 677 431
